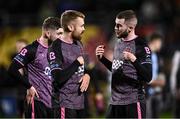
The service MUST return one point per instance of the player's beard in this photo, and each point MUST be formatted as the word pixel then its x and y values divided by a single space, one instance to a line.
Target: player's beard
pixel 123 34
pixel 77 37
pixel 50 40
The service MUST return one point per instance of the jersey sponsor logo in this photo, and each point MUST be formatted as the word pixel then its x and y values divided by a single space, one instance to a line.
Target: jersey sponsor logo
pixel 47 71
pixel 23 52
pixel 147 50
pixel 52 55
pixel 116 64
pixel 80 70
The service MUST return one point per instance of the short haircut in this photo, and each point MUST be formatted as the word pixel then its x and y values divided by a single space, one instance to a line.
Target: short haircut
pixel 51 23
pixel 127 15
pixel 155 36
pixel 22 40
pixel 68 16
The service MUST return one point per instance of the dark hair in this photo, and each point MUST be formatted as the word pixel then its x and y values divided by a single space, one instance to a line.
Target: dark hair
pixel 68 16
pixel 155 36
pixel 127 15
pixel 51 23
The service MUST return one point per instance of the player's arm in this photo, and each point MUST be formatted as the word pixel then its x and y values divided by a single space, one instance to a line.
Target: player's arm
pixel 55 60
pixel 104 60
pixel 142 62
pixel 20 61
pixel 85 80
pixel 106 63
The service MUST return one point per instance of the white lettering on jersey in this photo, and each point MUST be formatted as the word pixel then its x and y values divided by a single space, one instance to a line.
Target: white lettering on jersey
pixel 116 64
pixel 47 71
pixel 80 70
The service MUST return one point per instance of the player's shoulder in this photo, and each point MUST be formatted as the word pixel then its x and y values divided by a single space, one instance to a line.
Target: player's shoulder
pixel 55 46
pixel 78 42
pixel 142 46
pixel 141 41
pixel 32 47
pixel 56 43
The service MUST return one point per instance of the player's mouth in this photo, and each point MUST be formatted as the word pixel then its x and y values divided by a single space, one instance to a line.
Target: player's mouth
pixel 82 32
pixel 118 33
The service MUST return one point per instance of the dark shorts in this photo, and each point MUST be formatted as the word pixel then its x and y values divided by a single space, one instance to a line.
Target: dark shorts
pixel 38 111
pixel 135 110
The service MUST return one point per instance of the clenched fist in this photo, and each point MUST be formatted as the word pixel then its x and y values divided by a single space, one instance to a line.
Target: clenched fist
pixel 100 51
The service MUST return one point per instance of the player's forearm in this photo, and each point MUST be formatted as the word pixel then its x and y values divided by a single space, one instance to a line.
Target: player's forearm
pixel 61 76
pixel 145 70
pixel 106 63
pixel 14 73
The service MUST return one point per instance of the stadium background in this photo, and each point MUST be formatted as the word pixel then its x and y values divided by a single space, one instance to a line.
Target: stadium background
pixel 22 19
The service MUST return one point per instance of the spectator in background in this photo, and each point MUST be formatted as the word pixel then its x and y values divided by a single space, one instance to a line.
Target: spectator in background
pixel 7 82
pixel 19 45
pixel 175 82
pixel 154 97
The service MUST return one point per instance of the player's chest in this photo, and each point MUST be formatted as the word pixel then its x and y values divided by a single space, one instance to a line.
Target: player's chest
pixel 71 52
pixel 124 46
pixel 40 60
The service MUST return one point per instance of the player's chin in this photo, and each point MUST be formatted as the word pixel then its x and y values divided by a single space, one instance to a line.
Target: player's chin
pixel 118 36
pixel 79 38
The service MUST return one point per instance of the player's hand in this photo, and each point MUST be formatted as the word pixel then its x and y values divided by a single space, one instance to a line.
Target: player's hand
pixel 28 97
pixel 129 56
pixel 100 51
pixel 31 93
pixel 84 82
pixel 80 60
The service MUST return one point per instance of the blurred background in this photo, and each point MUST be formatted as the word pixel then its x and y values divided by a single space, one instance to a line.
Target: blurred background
pixel 22 20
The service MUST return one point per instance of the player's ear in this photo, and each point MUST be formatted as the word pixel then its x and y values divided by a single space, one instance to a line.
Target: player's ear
pixel 70 27
pixel 47 34
pixel 129 29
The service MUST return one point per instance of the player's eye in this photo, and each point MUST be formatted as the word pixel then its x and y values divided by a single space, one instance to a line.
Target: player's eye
pixel 60 33
pixel 118 25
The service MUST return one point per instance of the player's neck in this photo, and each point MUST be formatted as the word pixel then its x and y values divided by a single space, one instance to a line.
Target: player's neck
pixel 130 37
pixel 67 38
pixel 43 41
